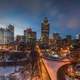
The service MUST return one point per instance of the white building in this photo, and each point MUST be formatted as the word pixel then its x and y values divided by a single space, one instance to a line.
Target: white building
pixel 7 34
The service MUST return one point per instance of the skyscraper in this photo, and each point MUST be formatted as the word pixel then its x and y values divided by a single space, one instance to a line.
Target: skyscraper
pixel 79 36
pixel 29 36
pixel 7 34
pixel 10 33
pixel 2 39
pixel 45 32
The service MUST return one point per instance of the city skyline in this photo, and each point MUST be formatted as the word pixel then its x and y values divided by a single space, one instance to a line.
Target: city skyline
pixel 63 15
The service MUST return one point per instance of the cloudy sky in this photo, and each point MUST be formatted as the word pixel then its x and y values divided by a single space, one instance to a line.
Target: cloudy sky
pixel 63 15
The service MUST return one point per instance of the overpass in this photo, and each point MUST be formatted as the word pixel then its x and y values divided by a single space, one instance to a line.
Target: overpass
pixel 52 67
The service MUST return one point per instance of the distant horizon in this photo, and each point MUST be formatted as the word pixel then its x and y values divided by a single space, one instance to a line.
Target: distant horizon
pixel 63 15
pixel 50 35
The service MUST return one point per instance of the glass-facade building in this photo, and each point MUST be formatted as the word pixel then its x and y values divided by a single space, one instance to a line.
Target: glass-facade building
pixel 7 34
pixel 45 32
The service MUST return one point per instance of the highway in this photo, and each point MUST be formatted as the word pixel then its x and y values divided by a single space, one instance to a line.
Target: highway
pixel 47 68
pixel 52 66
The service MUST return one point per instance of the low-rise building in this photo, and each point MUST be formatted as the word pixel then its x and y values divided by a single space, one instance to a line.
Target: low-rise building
pixel 20 38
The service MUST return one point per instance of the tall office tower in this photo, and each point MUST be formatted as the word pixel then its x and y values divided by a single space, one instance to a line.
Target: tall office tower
pixel 45 32
pixel 10 33
pixel 79 36
pixel 29 36
pixel 7 34
pixel 2 38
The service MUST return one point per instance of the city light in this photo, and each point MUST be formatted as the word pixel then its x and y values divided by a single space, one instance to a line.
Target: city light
pixel 40 40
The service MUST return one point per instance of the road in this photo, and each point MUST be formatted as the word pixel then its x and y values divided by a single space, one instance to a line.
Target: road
pixel 48 68
pixel 52 66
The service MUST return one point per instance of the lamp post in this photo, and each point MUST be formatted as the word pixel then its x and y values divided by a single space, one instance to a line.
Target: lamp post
pixel 33 56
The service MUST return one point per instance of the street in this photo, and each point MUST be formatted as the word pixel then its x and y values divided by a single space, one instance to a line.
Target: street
pixel 52 66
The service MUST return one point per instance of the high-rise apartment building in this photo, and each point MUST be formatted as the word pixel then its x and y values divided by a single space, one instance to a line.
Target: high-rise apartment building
pixel 45 32
pixel 7 34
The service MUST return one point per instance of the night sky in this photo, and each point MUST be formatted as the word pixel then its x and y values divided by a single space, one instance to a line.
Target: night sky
pixel 63 15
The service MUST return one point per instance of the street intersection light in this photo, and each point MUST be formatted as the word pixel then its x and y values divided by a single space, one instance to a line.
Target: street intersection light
pixel 75 56
pixel 71 70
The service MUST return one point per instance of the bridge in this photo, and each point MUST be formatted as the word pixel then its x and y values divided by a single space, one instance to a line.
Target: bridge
pixel 48 69
pixel 52 67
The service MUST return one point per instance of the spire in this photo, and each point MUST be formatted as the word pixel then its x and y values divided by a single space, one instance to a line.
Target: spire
pixel 45 19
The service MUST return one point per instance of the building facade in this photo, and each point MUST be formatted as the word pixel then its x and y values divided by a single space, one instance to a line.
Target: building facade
pixel 79 36
pixel 57 41
pixel 29 36
pixel 7 34
pixel 2 34
pixel 56 36
pixel 45 32
pixel 20 38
